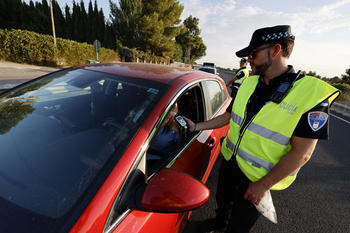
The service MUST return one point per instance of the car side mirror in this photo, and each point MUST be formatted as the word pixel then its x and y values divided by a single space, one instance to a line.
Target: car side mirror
pixel 169 191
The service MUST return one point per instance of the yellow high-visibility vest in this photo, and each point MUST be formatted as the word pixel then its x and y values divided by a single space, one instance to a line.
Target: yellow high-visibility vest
pixel 246 74
pixel 267 137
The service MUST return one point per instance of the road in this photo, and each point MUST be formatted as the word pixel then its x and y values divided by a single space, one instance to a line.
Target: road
pixel 12 74
pixel 318 201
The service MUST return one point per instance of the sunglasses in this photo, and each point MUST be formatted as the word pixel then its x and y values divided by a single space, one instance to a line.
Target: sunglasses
pixel 252 53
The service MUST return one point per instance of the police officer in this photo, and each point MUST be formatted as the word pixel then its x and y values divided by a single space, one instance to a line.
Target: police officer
pixel 275 121
pixel 240 76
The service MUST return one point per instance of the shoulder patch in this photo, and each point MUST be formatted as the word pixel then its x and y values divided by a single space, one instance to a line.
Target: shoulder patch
pixel 317 120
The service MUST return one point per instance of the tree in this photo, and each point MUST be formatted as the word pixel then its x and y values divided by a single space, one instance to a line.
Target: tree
pixel 82 22
pixel 109 37
pixel 312 73
pixel 101 26
pixel 159 26
pixel 59 19
pixel 178 55
pixel 10 14
pixel 90 15
pixel 13 112
pixel 192 44
pixel 68 31
pixel 346 76
pixel 125 22
pixel 335 79
pixel 95 23
pixel 76 17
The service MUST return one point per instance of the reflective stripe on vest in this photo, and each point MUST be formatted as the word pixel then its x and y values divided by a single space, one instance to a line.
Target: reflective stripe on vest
pixel 257 162
pixel 262 131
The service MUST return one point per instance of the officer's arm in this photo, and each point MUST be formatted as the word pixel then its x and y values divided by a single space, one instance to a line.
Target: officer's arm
pixel 216 122
pixel 231 81
pixel 302 149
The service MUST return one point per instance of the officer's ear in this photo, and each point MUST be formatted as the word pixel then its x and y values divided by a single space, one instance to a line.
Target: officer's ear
pixel 277 49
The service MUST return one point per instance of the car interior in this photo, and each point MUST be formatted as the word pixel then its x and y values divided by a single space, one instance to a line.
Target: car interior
pixel 190 105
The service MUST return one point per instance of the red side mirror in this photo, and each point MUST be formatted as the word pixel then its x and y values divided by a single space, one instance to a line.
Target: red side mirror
pixel 169 191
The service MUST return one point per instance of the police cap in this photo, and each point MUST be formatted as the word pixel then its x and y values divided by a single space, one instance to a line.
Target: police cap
pixel 266 35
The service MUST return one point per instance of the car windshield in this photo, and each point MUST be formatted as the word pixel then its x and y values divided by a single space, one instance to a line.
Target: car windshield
pixel 58 133
pixel 209 70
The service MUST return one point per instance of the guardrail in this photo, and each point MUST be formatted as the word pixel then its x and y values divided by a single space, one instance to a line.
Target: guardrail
pixel 341 109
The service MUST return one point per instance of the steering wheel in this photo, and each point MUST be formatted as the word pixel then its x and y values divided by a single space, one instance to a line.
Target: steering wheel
pixel 112 122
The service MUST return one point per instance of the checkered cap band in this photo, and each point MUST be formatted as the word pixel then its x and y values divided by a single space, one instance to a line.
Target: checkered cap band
pixel 277 36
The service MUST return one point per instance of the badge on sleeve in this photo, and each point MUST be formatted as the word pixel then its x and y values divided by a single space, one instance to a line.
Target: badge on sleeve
pixel 317 120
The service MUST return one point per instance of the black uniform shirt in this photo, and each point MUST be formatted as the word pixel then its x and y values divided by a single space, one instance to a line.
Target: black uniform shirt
pixel 240 74
pixel 262 94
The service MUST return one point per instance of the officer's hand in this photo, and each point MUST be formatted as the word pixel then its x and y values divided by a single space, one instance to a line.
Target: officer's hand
pixel 256 191
pixel 190 124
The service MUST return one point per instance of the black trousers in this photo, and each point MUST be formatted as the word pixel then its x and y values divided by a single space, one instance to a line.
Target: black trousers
pixel 233 210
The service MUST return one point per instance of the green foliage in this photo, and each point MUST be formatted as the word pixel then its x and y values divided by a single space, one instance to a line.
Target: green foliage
pixel 345 89
pixel 312 73
pixel 159 26
pixel 32 48
pixel 342 87
pixel 191 43
pixel 125 22
pixel 178 55
pixel 346 76
pixel 27 47
pixel 345 96
pixel 76 24
pixel 133 54
pixel 12 112
pixel 148 25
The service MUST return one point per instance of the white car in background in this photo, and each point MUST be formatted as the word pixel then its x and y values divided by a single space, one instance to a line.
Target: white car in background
pixel 209 67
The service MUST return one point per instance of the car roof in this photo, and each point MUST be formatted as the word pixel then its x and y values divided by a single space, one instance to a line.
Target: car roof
pixel 159 73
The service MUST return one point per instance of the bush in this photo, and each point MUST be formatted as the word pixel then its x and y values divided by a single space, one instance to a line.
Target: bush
pixel 342 86
pixel 36 49
pixel 132 54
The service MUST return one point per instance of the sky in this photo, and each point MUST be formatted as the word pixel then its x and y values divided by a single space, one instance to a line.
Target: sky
pixel 321 28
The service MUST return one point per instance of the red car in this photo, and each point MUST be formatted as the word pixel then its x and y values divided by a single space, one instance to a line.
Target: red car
pixel 75 148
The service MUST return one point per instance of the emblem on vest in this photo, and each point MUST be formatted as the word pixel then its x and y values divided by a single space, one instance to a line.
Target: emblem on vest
pixel 317 120
pixel 289 107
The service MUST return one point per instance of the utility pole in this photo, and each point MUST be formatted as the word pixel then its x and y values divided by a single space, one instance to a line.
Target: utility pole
pixel 53 24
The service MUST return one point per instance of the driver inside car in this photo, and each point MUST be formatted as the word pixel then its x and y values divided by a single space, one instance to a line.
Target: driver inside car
pixel 166 138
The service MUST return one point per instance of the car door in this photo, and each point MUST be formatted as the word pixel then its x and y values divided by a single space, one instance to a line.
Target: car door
pixel 194 156
pixel 202 151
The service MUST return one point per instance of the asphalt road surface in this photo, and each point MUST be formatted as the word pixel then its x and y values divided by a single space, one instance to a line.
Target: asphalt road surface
pixel 319 199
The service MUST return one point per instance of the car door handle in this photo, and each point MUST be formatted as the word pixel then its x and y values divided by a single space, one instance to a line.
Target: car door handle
pixel 212 143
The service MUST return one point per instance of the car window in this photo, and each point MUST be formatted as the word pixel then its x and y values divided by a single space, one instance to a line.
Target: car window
pixel 60 133
pixel 190 105
pixel 217 95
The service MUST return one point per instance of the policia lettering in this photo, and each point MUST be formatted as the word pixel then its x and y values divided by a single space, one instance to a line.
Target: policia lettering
pixel 271 138
pixel 289 107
